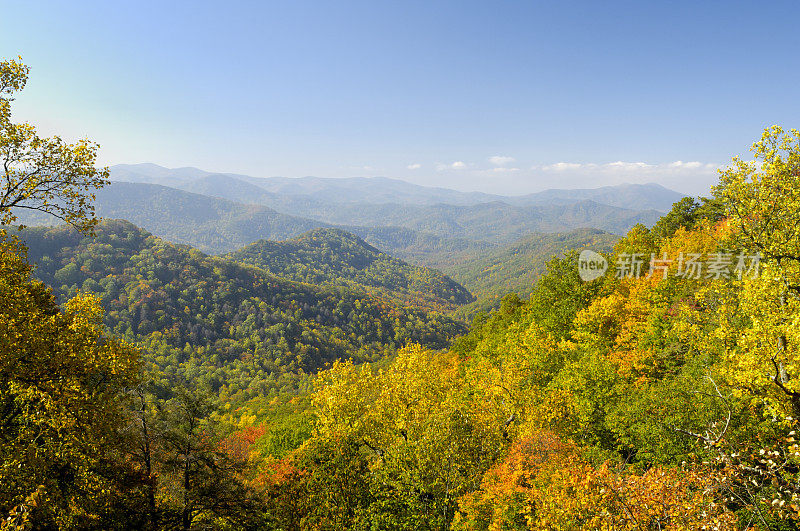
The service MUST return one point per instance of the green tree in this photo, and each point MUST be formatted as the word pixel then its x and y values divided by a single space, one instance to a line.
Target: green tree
pixel 43 174
pixel 201 482
pixel 61 406
pixel 62 376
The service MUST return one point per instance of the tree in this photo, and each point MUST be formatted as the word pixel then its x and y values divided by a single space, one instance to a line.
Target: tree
pixel 543 482
pixel 762 195
pixel 200 481
pixel 426 438
pixel 43 174
pixel 763 201
pixel 61 406
pixel 62 377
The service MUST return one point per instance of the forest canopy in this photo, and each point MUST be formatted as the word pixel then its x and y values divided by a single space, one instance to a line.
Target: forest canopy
pixel 147 385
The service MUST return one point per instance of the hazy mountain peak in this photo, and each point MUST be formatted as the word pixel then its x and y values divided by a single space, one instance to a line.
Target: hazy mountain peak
pixel 379 190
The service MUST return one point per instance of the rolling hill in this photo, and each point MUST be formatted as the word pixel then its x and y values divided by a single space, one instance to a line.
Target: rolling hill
pixel 436 236
pixel 338 258
pixel 380 202
pixel 210 224
pixel 230 325
pixel 496 222
pixel 517 267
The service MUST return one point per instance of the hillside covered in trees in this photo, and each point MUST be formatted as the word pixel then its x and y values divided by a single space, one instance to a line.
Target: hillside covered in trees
pixel 146 385
pixel 663 394
pixel 215 322
pixel 335 257
pixel 663 397
pixel 516 268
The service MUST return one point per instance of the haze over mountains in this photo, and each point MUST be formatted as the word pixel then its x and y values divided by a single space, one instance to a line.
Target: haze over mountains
pixel 219 213
pixel 489 243
pixel 379 190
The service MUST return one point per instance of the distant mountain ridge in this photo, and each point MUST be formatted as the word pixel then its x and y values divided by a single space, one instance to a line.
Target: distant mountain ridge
pixel 650 196
pixel 216 226
pixel 365 189
pixel 384 190
pixel 435 235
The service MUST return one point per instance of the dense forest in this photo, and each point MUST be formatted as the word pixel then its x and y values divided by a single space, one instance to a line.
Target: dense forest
pixel 289 386
pixel 236 329
pixel 336 257
pixel 516 268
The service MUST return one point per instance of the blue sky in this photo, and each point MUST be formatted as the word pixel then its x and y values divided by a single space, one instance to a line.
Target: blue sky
pixel 507 97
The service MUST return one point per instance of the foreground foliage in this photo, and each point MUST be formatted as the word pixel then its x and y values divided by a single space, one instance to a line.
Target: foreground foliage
pixel 60 382
pixel 664 400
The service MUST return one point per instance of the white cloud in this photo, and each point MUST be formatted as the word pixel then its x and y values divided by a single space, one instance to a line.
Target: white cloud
pixel 628 166
pixel 500 160
pixel 693 165
pixel 504 170
pixel 414 166
pixel 457 165
pixel 620 166
pixel 692 177
pixel 561 166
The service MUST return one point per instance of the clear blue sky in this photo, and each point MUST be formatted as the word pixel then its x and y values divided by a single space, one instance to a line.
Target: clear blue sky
pixel 497 96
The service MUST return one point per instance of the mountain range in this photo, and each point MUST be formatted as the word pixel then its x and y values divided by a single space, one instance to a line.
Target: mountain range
pixel 273 191
pixel 491 244
pixel 219 213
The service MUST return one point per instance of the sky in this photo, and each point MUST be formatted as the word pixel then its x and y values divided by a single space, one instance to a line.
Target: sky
pixel 501 97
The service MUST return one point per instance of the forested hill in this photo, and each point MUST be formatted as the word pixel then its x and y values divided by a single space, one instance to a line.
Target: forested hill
pixel 211 318
pixel 338 258
pixel 218 225
pixel 517 267
pixel 210 224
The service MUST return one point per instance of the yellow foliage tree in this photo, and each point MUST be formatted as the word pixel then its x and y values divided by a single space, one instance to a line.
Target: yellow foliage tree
pixel 61 378
pixel 43 174
pixel 763 200
pixel 427 438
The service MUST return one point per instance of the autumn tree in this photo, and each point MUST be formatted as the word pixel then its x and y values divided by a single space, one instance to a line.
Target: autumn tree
pixel 43 174
pixel 200 483
pixel 424 438
pixel 545 483
pixel 61 377
pixel 762 197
